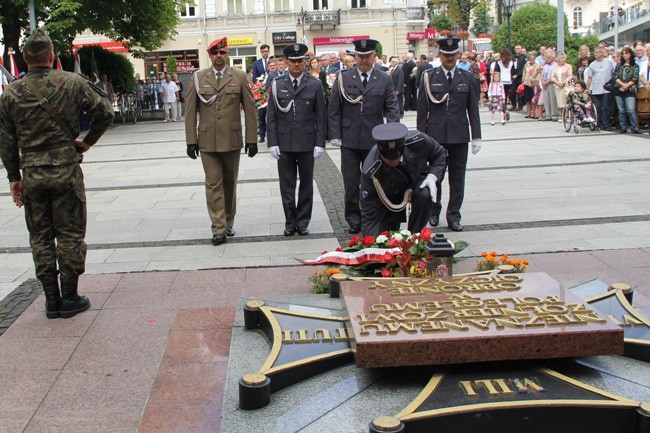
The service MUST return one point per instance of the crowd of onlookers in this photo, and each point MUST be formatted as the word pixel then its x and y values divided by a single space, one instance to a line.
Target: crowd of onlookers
pixel 164 91
pixel 602 85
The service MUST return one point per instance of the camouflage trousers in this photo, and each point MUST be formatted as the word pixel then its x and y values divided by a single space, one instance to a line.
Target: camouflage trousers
pixel 55 211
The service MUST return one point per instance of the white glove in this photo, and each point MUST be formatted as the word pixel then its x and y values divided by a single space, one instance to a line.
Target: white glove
pixel 476 146
pixel 318 152
pixel 275 152
pixel 430 182
pixel 335 142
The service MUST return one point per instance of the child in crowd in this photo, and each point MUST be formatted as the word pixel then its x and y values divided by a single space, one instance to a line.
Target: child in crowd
pixel 539 101
pixel 580 101
pixel 497 98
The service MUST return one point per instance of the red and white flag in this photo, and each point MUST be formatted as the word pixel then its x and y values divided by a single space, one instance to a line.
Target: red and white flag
pixel 77 63
pixel 13 67
pixel 58 64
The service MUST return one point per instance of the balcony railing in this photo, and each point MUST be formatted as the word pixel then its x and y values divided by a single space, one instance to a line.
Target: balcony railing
pixel 415 13
pixel 322 17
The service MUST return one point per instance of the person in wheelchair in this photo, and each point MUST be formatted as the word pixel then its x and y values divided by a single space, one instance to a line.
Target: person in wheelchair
pixel 579 101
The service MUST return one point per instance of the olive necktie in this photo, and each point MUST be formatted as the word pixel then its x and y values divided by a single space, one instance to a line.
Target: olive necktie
pixel 218 79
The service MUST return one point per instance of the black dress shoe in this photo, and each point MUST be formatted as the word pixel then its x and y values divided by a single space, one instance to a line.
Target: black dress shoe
pixel 434 220
pixel 303 232
pixel 636 131
pixel 456 226
pixel 230 231
pixel 289 231
pixel 354 230
pixel 218 240
pixel 623 131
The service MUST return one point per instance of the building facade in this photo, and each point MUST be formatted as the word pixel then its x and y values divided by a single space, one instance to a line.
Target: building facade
pixel 326 26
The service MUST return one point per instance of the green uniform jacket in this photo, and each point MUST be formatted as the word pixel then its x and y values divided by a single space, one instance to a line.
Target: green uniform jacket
pixel 30 137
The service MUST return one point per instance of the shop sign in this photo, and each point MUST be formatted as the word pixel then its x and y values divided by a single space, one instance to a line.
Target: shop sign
pixel 339 40
pixel 240 41
pixel 416 36
pixel 431 33
pixel 284 38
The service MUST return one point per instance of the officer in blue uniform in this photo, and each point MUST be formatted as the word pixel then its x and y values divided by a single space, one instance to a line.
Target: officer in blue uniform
pixel 401 169
pixel 447 111
pixel 296 125
pixel 361 98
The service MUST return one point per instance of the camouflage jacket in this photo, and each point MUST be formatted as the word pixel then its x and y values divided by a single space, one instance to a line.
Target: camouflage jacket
pixel 25 126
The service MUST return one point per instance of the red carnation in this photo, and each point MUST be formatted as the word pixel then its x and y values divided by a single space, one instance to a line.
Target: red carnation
pixel 339 249
pixel 354 241
pixel 385 233
pixel 386 273
pixel 368 240
pixel 425 234
pixel 392 243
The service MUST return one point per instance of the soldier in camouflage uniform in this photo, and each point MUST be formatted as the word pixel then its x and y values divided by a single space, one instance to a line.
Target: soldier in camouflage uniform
pixel 39 126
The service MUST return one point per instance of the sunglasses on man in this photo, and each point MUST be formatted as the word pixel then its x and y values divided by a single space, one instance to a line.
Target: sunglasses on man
pixel 215 52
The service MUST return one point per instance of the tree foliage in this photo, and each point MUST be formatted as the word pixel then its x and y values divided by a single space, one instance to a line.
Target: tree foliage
pixel 482 22
pixel 461 11
pixel 119 69
pixel 171 64
pixel 142 25
pixel 440 21
pixel 535 25
pixel 531 26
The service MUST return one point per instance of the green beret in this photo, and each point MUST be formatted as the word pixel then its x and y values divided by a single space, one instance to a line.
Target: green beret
pixel 38 41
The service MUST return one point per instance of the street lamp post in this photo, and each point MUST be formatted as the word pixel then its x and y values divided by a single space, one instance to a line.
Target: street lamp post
pixel 507 9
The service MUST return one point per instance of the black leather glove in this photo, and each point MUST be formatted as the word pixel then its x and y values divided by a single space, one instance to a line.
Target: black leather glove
pixel 193 150
pixel 251 149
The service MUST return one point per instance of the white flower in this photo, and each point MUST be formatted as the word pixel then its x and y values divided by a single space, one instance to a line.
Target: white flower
pixel 405 233
pixel 397 237
pixel 381 239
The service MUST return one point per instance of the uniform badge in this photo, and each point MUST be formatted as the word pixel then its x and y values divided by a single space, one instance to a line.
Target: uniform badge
pixel 450 42
pixel 391 145
pixel 296 47
pixel 363 43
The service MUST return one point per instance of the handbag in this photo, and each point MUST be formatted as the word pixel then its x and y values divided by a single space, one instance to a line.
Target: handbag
pixel 609 86
pixel 520 89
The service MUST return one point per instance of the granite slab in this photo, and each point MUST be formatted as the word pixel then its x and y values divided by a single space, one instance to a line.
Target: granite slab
pixel 410 322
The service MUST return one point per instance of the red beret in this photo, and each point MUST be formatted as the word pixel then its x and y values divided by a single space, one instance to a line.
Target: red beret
pixel 219 43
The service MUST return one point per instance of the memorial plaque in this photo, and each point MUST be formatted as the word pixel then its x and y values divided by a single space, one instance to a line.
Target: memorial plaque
pixel 402 322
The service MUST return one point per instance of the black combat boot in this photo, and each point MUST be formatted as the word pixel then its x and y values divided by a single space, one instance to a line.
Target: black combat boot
pixel 71 303
pixel 52 298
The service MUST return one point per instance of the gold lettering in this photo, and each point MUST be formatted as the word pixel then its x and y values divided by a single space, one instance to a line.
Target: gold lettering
pixel 379 329
pixel 631 321
pixel 526 385
pixel 454 326
pixel 286 337
pixel 430 327
pixel 440 314
pixel 489 387
pixel 324 335
pixel 344 334
pixel 613 319
pixel 590 317
pixel 302 337
pixel 377 307
pixel 394 328
pixel 467 388
pixel 503 386
pixel 412 315
pixel 377 285
pixel 480 324
pixel 509 323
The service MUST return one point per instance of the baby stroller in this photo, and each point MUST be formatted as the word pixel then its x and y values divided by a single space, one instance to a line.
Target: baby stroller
pixel 574 118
